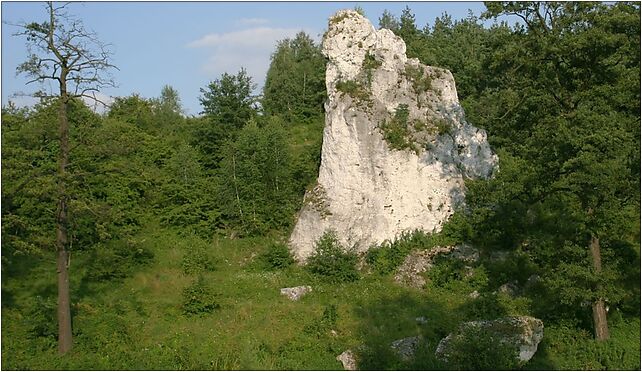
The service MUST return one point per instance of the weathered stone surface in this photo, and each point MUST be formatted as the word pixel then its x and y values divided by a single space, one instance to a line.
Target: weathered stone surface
pixel 421 320
pixel 294 293
pixel 418 262
pixel 511 289
pixel 367 191
pixel 522 332
pixel 347 358
pixel 406 347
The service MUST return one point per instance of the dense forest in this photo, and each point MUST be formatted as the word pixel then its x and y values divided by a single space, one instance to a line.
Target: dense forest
pixel 175 227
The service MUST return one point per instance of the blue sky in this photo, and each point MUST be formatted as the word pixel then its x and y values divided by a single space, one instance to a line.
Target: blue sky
pixel 189 44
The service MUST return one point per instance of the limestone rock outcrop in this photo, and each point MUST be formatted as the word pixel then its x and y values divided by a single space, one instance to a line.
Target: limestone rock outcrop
pixel 396 146
pixel 523 333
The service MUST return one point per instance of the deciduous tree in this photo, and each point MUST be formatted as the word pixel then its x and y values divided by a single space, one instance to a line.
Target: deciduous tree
pixel 62 51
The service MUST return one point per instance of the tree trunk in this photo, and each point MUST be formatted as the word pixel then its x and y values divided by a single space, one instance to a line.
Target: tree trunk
pixel 64 302
pixel 599 309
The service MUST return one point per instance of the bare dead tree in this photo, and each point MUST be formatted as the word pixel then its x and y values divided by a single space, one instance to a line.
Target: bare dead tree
pixel 62 51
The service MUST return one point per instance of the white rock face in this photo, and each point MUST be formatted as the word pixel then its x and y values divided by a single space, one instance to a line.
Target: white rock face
pixel 368 191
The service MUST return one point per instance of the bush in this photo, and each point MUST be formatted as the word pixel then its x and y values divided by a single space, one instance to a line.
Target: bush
pixel 332 262
pixel 479 349
pixel 117 260
pixel 396 131
pixel 327 321
pixel 42 317
pixel 386 257
pixel 197 261
pixel 199 298
pixel 276 257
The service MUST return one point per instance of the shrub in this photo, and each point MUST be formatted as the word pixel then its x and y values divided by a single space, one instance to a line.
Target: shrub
pixel 42 317
pixel 421 82
pixel 355 90
pixel 331 261
pixel 197 261
pixel 396 131
pixel 386 257
pixel 479 349
pixel 276 257
pixel 199 298
pixel 327 321
pixel 117 260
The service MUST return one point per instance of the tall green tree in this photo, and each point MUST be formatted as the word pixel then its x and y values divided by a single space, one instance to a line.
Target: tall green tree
pixel 567 109
pixel 228 104
pixel 295 82
pixel 257 191
pixel 63 52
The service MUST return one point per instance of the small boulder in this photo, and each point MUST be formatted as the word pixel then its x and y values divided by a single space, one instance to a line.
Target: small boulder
pixel 294 293
pixel 421 320
pixel 416 263
pixel 523 333
pixel 474 294
pixel 347 358
pixel 406 347
pixel 466 253
pixel 511 289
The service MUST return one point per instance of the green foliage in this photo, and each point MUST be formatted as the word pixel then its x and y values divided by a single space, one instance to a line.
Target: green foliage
pixel 134 110
pixel 478 349
pixel 117 260
pixel 396 131
pixel 328 320
pixel 331 261
pixel 295 82
pixel 257 192
pixel 370 63
pixel 277 256
pixel 386 257
pixel 575 349
pixel 42 318
pixel 199 298
pixel 421 81
pixel 443 127
pixel 197 261
pixel 228 105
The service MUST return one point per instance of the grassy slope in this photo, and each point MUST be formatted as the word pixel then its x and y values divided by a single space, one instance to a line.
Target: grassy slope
pixel 137 322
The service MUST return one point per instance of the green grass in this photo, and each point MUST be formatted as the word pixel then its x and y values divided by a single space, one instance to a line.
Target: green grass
pixel 138 322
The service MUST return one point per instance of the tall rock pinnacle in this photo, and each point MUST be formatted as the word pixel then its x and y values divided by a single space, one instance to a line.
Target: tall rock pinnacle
pixel 396 146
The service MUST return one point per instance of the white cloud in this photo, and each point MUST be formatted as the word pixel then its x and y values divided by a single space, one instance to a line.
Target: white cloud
pixel 30 101
pixel 96 105
pixel 252 21
pixel 250 48
pixel 253 37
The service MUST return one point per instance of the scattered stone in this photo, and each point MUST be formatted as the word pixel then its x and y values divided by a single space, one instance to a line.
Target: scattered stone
pixel 468 272
pixel 406 347
pixel 421 320
pixel 294 293
pixel 347 358
pixel 522 332
pixel 511 289
pixel 474 294
pixel 370 190
pixel 466 253
pixel 418 262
